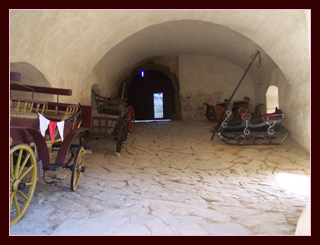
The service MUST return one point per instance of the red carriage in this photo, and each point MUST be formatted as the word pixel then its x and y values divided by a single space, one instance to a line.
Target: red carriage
pixel 37 127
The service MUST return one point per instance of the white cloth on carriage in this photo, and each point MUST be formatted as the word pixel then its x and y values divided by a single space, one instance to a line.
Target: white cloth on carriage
pixel 60 126
pixel 44 123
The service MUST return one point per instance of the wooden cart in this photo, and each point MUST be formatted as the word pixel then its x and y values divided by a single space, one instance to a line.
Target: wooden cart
pixel 112 118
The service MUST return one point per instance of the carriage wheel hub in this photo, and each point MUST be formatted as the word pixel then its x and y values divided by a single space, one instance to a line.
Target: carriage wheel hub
pixel 18 186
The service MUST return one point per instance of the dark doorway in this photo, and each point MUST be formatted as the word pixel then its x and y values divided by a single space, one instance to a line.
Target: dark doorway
pixel 141 94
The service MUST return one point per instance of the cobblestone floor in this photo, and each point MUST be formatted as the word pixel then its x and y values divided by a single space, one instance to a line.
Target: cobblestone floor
pixel 172 180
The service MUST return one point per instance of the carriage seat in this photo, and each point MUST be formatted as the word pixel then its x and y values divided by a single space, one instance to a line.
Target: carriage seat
pixel 276 115
pixel 243 112
pixel 271 116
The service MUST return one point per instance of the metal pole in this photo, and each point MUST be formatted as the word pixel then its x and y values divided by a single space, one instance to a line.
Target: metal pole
pixel 236 89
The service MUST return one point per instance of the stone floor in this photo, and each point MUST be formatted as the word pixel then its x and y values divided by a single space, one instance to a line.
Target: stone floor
pixel 172 180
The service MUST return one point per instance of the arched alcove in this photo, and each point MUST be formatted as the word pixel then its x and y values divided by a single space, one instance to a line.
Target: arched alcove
pixel 30 75
pixel 272 98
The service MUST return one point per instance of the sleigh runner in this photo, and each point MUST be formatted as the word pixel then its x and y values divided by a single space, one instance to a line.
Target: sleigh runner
pixel 266 129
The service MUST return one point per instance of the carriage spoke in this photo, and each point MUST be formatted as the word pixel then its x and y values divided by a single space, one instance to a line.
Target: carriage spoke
pixel 11 167
pixel 27 171
pixel 76 169
pixel 16 204
pixel 23 178
pixel 23 195
pixel 12 194
pixel 16 171
pixel 24 163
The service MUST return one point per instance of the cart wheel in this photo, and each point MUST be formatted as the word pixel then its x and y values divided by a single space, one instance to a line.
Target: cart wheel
pixel 23 179
pixel 129 120
pixel 122 136
pixel 77 168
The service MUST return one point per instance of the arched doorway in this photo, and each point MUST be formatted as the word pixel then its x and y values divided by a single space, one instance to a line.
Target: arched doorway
pixel 147 86
pixel 272 97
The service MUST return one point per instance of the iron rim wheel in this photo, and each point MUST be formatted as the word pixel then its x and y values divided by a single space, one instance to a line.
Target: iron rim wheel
pixel 76 168
pixel 122 136
pixel 23 180
pixel 130 119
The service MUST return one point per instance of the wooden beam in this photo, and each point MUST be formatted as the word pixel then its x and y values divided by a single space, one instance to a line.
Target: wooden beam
pixel 43 90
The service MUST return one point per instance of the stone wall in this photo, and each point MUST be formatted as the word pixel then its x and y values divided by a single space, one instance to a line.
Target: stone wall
pixel 211 80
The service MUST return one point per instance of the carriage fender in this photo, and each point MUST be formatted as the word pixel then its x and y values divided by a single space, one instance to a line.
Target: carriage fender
pixel 42 149
pixel 65 145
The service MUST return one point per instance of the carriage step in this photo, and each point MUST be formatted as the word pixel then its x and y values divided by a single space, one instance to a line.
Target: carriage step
pixel 44 179
pixel 55 167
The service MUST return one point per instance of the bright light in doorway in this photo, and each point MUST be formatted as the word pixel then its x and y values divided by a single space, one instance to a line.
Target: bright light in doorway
pixel 297 184
pixel 147 121
pixel 158 105
pixel 142 73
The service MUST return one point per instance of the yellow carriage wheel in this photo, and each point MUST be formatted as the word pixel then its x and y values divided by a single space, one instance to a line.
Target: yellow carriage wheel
pixel 23 179
pixel 77 168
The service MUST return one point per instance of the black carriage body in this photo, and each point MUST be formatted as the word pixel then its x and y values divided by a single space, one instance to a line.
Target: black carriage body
pixel 253 131
pixel 253 125
pixel 262 127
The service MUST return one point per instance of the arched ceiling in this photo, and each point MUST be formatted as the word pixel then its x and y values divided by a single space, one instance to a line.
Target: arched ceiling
pixel 71 47
pixel 184 37
pixel 79 48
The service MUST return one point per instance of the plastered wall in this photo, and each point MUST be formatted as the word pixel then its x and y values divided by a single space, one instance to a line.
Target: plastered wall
pixel 79 48
pixel 30 75
pixel 211 80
